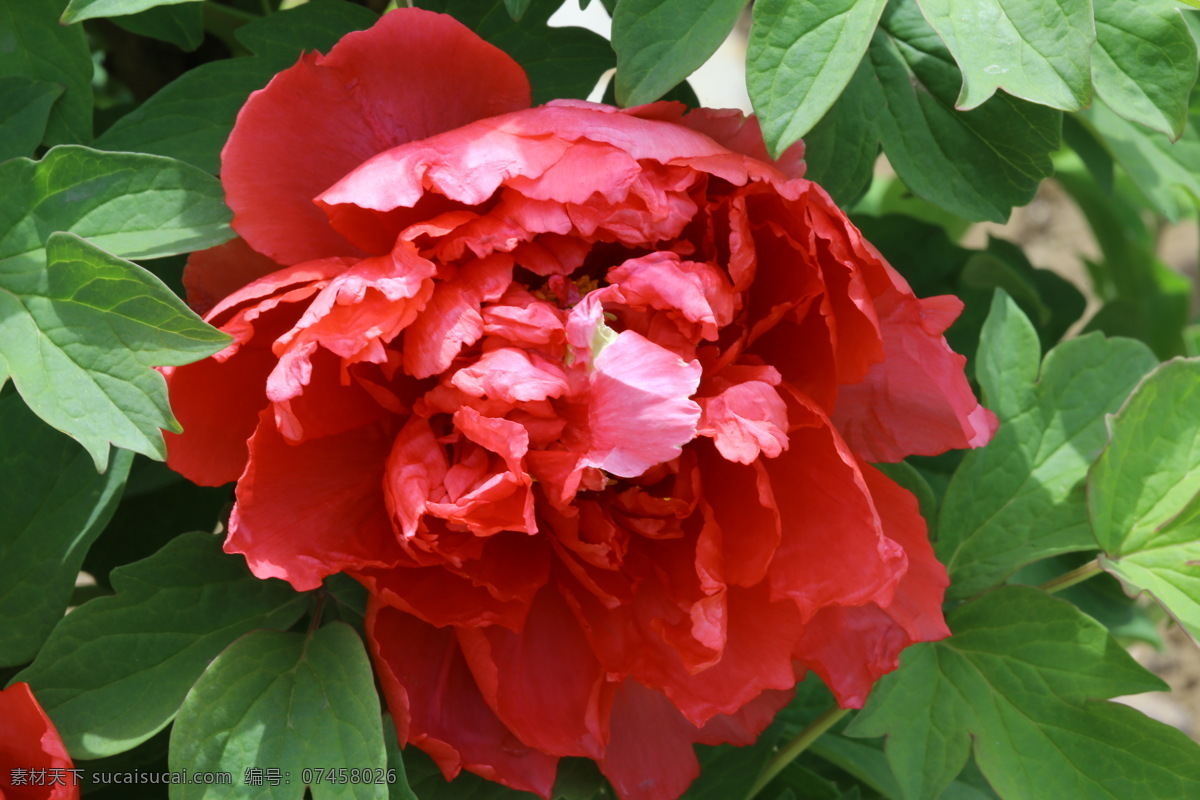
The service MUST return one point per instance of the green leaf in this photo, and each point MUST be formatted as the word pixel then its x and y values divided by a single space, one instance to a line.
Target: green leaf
pixel 115 670
pixel 1144 492
pixel 24 110
pixel 1021 498
pixel 81 337
pixel 840 151
pixel 35 46
pixel 129 204
pixel 660 42
pixel 1018 681
pixel 517 8
pixel 299 703
pixel 191 117
pixel 560 62
pixel 1144 62
pixel 158 505
pixel 79 10
pixel 800 57
pixel 54 507
pixel 181 25
pixel 315 25
pixel 1167 173
pixel 975 164
pixel 1029 48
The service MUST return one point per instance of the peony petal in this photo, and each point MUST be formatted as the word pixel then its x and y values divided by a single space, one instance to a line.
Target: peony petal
pixel 544 682
pixel 496 588
pixel 639 407
pixel 292 497
pixel 649 754
pixel 212 275
pixel 438 706
pixel 29 742
pixel 746 530
pixel 696 291
pixel 917 400
pixel 833 550
pixel 452 319
pixel 512 375
pixel 851 648
pixel 745 420
pixel 416 464
pixel 412 75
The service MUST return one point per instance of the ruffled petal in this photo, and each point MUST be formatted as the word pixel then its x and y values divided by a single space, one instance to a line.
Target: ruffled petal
pixel 410 76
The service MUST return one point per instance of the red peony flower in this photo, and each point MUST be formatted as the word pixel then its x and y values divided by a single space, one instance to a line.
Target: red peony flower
pixel 584 396
pixel 34 763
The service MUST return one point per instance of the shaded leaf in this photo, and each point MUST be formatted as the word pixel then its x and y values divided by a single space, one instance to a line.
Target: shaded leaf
pixel 182 25
pixel 24 110
pixel 35 46
pixel 55 504
pixel 79 10
pixel 182 606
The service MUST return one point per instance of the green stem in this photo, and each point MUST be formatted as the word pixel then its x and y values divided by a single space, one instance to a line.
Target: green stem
pixel 795 747
pixel 1077 575
pixel 317 611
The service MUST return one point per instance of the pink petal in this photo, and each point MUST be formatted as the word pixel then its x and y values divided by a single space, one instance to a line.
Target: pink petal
pixel 512 375
pixel 745 420
pixel 213 274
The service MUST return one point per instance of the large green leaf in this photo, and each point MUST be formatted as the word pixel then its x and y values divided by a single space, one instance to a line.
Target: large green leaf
pixel 1144 492
pixel 1018 682
pixel 302 704
pixel 55 504
pixel 79 326
pixel 79 10
pixel 24 111
pixel 1021 498
pixel 1144 62
pixel 80 338
pixel 660 42
pixel 1029 48
pixel 800 58
pixel 115 670
pixel 35 46
pixel 131 205
pixel 191 117
pixel 976 164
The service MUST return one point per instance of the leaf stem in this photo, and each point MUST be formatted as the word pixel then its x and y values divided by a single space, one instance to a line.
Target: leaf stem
pixel 790 751
pixel 1077 575
pixel 317 610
